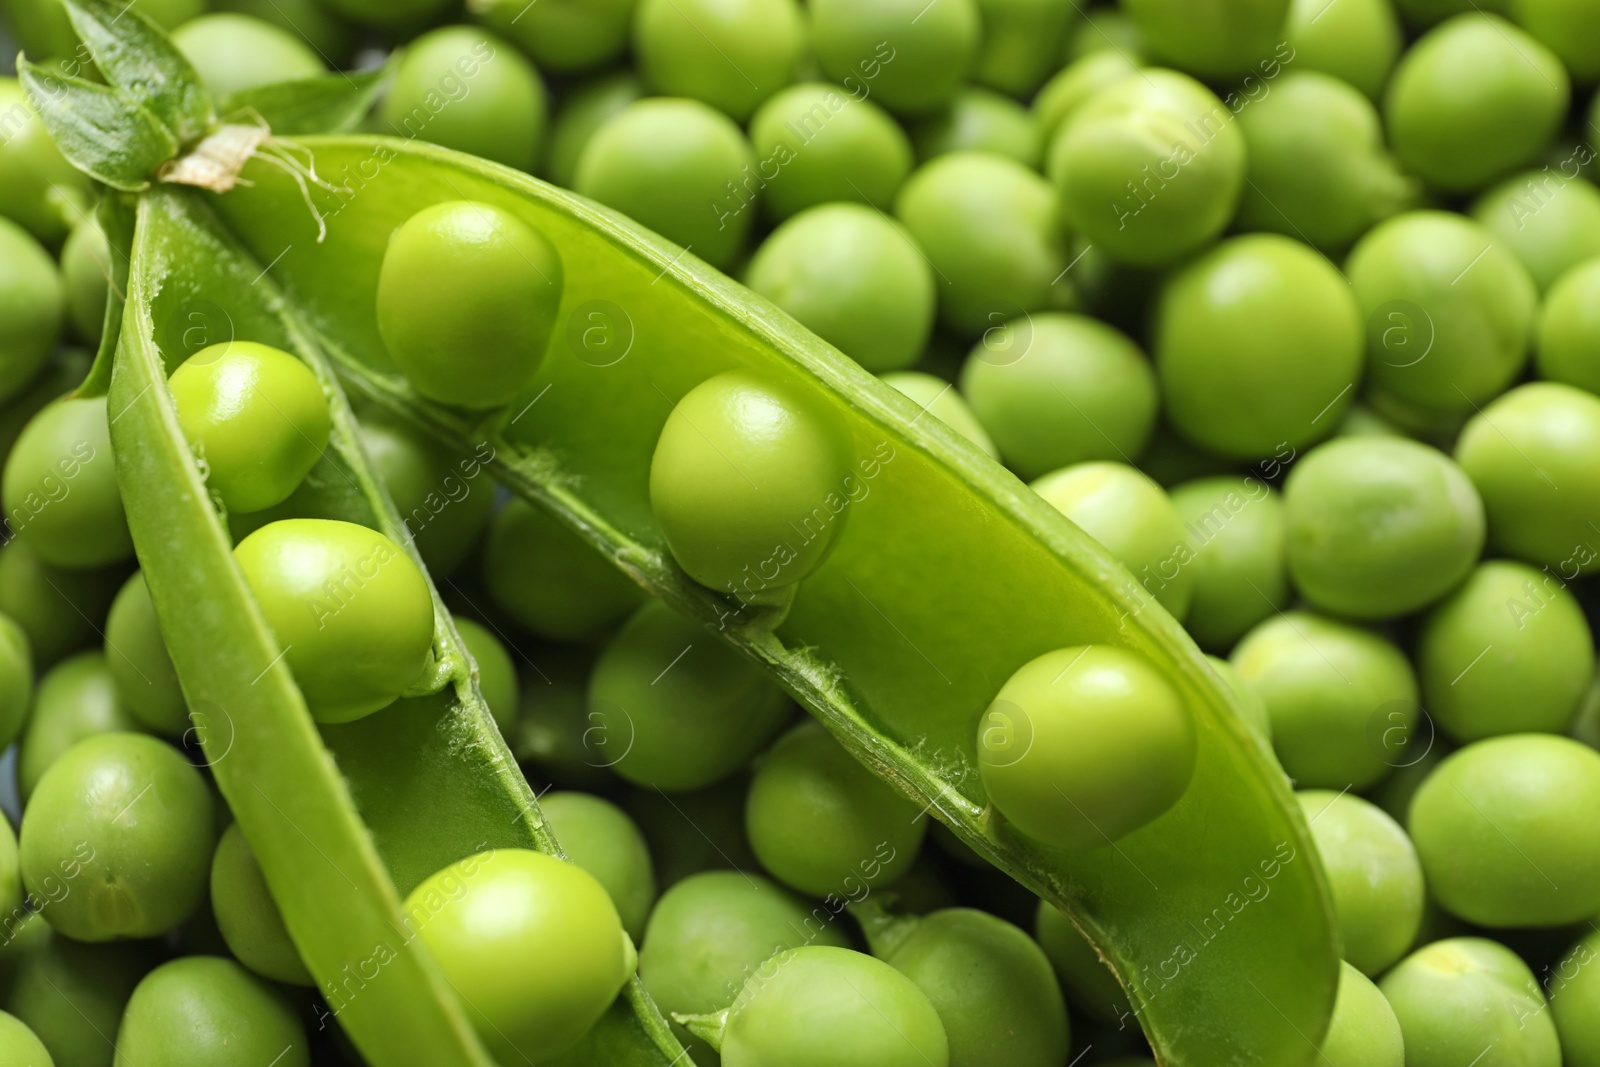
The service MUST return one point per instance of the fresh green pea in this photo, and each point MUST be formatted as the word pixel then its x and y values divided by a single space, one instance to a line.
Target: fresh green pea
pixel 309 20
pixel 731 55
pixel 1380 526
pixel 1503 835
pixel 1528 454
pixel 1318 167
pixel 808 780
pixel 202 1011
pixel 1575 1003
pixel 599 837
pixel 444 498
pixel 1449 310
pixel 71 995
pixel 19 1046
pixel 76 699
pixel 551 581
pixel 939 398
pixel 1461 133
pixel 699 831
pixel 561 35
pixel 1073 85
pixel 1568 347
pixel 1363 1031
pixel 59 610
pixel 247 916
pixel 16 679
pixel 1469 997
pixel 744 481
pixel 673 708
pixel 497 107
pixel 1509 652
pixel 1569 28
pixel 979 120
pixel 913 58
pixel 140 870
pixel 1234 528
pixel 497 675
pixel 1375 876
pixel 990 983
pixel 1549 222
pixel 85 276
pixel 141 668
pixel 1022 43
pixel 467 299
pixel 1106 29
pixel 232 53
pixel 1079 390
pixel 1325 685
pixel 1252 708
pixel 38 188
pixel 992 231
pixel 352 611
pixel 531 944
pixel 1089 982
pixel 823 143
pixel 855 278
pixel 1085 745
pixel 875 1016
pixel 1355 40
pixel 60 487
pixel 10 879
pixel 1215 41
pixel 582 111
pixel 1134 519
pixel 1150 167
pixel 31 308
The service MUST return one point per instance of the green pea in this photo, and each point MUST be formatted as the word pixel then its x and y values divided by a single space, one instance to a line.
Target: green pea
pixel 1341 699
pixel 233 53
pixel 992 231
pixel 497 107
pixel 1318 167
pixel 1252 708
pixel 531 944
pixel 59 610
pixel 875 1016
pixel 807 780
pixel 1363 1031
pixel 1469 997
pixel 599 837
pixel 582 111
pixel 1509 652
pixel 939 398
pixel 1518 451
pixel 1079 390
pixel 19 1046
pixel 700 831
pixel 1503 835
pixel 141 668
pixel 1355 40
pixel 1150 168
pixel 675 709
pixel 38 188
pixel 31 308
pixel 1088 980
pixel 1134 519
pixel 1575 1003
pixel 1022 43
pixel 389 14
pixel 1234 528
pixel 1073 85
pixel 354 614
pixel 1376 878
pixel 978 120
pixel 746 483
pixel 1449 310
pixel 1361 420
pixel 1568 348
pixel 990 983
pixel 140 871
pixel 444 498
pixel 467 299
pixel 731 55
pixel 1106 29
pixel 76 699
pixel 202 1011
pixel 551 581
pixel 247 916
pixel 561 35
pixel 85 276
pixel 10 880
pixel 1549 222
pixel 1459 134
pixel 1217 41
pixel 308 20
pixel 1569 28
pixel 60 487
pixel 913 58
pixel 711 931
pixel 16 679
pixel 853 277
pixel 71 995
pixel 1085 745
pixel 663 163
pixel 497 675
pixel 824 143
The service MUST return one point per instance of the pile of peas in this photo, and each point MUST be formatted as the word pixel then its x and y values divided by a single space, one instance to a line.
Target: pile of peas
pixel 1291 305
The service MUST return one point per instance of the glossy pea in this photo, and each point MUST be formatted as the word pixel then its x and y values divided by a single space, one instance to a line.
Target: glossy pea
pixel 939 398
pixel 1234 527
pixel 141 668
pixel 816 143
pixel 76 699
pixel 467 299
pixel 1215 41
pixel 1088 980
pixel 31 308
pixel 70 994
pixel 549 580
pixel 59 609
pixel 1374 873
pixel 729 55
pixel 1568 343
pixel 247 916
pixel 581 112
pixel 1060 97
pixel 445 498
pixel 60 487
pixel 1357 41
pixel 1363 1031
pixel 1549 221
pixel 20 1046
pixel 233 53
pixel 912 58
pixel 39 189
pixel 599 837
pixel 497 674
pixel 562 35
pixel 1456 998
pixel 202 1011
pixel 85 275
pixel 978 120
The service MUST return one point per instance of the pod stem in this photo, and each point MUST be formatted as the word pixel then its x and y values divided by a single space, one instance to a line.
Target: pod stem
pixel 709 1028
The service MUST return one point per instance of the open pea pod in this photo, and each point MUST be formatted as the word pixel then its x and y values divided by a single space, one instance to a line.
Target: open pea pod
pixel 948 574
pixel 345 819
